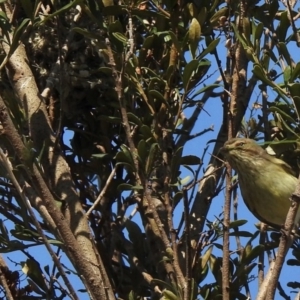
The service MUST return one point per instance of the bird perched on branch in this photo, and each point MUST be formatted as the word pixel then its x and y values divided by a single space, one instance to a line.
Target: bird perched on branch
pixel 266 182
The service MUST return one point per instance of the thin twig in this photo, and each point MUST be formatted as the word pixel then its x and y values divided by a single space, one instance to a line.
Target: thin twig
pixel 131 38
pixel 204 177
pixel 108 181
pixel 192 136
pixel 119 90
pixel 219 63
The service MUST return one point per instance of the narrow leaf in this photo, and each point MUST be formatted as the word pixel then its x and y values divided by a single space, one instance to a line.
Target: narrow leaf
pixel 190 68
pixel 211 47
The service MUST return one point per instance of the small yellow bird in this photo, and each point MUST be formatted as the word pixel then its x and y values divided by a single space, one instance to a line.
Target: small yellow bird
pixel 266 182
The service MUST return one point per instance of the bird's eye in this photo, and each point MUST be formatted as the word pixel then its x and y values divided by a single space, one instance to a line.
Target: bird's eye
pixel 241 144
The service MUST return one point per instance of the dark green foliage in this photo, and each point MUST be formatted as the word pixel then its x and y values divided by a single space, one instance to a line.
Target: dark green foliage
pixel 105 66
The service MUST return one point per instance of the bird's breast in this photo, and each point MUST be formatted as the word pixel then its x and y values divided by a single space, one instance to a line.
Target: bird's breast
pixel 267 195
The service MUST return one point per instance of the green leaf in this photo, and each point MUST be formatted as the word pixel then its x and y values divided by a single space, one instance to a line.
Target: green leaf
pixel 237 223
pixel 168 295
pixel 178 196
pixel 55 242
pixel 202 15
pixel 258 31
pixel 186 179
pixel 121 37
pixel 194 31
pixel 21 232
pixel 129 187
pixel 88 34
pixel 5 26
pixel 260 74
pixel 4 231
pixel 100 155
pixel 28 8
pixel 189 69
pixel 294 89
pixel 170 71
pixel 146 132
pixel 151 158
pixel 247 29
pixel 194 36
pixel 151 72
pixel 109 7
pixel 273 9
pixel 134 119
pixel 239 37
pixel 148 42
pixel 156 94
pixel 286 126
pixel 132 296
pixel 273 56
pixel 285 53
pixel 282 113
pixel 214 20
pixel 205 89
pixel 265 60
pixel 110 119
pixel 105 70
pixel 296 72
pixel 142 151
pixel 215 264
pixel 116 27
pixel 122 158
pixel 190 160
pixel 241 233
pixel 211 47
pixel 17 36
pixel 93 13
pixel 47 270
pixel 206 256
pixel 135 233
pixel 59 11
pixel 125 187
pixel 127 153
pixel 283 26
pixel 164 284
pixel 175 41
pixel 293 262
pixel 192 9
pixel 252 254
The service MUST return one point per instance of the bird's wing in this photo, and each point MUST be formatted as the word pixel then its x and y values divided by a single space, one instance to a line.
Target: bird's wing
pixel 287 168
